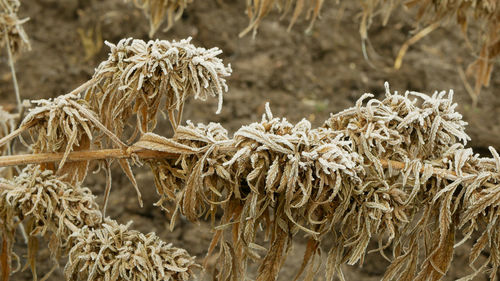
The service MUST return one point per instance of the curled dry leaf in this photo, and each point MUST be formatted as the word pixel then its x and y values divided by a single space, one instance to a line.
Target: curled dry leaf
pixel 113 252
pixel 11 27
pixel 50 207
pixel 159 10
pixel 138 75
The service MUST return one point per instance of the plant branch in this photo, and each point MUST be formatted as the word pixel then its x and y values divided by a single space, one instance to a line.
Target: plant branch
pixel 142 153
pixel 85 155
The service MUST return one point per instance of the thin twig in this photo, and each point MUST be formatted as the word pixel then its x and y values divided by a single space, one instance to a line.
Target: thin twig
pixel 421 34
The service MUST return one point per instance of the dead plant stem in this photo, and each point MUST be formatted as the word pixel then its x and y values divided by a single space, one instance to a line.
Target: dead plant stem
pixel 141 153
pixel 13 71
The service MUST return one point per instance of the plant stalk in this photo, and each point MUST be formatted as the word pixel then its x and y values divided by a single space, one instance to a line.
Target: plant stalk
pixel 141 153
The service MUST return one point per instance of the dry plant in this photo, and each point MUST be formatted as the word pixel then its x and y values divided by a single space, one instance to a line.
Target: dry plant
pixel 486 14
pixel 12 32
pixel 138 75
pixel 49 207
pixel 258 9
pixel 394 170
pixel 432 14
pixel 157 10
pixel 13 37
pixel 49 198
pixel 113 252
pixel 68 217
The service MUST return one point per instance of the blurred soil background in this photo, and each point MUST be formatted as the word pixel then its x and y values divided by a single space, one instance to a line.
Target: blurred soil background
pixel 301 75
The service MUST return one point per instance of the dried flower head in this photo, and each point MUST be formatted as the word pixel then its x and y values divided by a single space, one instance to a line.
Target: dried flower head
pixel 138 75
pixel 50 207
pixel 12 31
pixel 257 10
pixel 158 10
pixel 113 252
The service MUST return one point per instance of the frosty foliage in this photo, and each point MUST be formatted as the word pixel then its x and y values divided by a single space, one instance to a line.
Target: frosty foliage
pixel 159 10
pixel 138 75
pixel 49 207
pixel 337 182
pixel 68 217
pixel 63 124
pixel 11 29
pixel 113 252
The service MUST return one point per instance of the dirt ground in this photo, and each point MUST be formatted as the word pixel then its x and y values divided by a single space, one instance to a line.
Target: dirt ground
pixel 301 75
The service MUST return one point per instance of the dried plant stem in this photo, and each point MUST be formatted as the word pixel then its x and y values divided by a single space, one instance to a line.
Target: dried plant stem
pixel 82 156
pixel 13 134
pixel 421 34
pixel 13 70
pixel 24 159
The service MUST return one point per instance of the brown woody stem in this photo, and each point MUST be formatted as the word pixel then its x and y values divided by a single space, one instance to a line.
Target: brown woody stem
pixel 118 153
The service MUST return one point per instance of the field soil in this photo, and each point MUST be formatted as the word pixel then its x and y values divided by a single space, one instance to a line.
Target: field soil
pixel 301 76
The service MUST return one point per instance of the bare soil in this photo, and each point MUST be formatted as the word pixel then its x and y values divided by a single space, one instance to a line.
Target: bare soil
pixel 301 75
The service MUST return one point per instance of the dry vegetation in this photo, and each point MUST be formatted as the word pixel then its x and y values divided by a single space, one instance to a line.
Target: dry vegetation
pixel 394 170
pixel 483 15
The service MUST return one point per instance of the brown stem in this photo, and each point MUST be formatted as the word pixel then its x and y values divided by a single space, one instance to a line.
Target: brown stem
pixel 118 153
pixel 12 70
pixel 85 155
pixel 13 134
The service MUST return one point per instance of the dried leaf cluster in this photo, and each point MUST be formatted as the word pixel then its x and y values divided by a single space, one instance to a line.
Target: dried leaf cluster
pixel 12 31
pixel 113 252
pixel 138 75
pixel 68 217
pixel 337 182
pixel 394 170
pixel 49 198
pixel 63 124
pixel 159 10
pixel 48 207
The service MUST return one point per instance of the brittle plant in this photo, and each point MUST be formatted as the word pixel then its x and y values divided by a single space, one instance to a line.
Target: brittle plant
pixel 12 32
pixel 48 197
pixel 13 37
pixel 394 170
pixel 484 14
